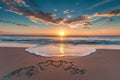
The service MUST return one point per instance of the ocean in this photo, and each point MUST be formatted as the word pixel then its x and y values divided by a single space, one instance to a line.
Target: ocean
pixel 48 46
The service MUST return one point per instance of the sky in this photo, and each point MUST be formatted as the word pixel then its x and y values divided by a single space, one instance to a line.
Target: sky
pixel 49 17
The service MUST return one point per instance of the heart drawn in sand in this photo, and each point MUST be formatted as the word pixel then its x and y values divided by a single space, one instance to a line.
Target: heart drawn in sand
pixel 56 63
pixel 44 65
pixel 33 70
pixel 66 65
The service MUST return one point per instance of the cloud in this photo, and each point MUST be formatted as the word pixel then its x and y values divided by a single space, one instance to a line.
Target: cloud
pixel 69 16
pixel 33 3
pixel 35 21
pixel 87 24
pixel 15 2
pixel 23 25
pixel 29 13
pixel 21 2
pixel 13 12
pixel 101 23
pixel 35 16
pixel 3 32
pixel 0 7
pixel 108 14
pixel 82 25
pixel 55 10
pixel 66 11
pixel 94 19
pixel 10 22
pixel 109 19
pixel 6 21
pixel 99 4
pixel 78 19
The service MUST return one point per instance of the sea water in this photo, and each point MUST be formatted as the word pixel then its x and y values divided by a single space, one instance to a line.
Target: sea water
pixel 49 46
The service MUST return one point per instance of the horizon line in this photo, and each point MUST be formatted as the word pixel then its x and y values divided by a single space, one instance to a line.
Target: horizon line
pixel 51 35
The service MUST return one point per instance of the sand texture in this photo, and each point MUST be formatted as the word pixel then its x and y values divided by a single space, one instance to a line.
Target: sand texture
pixel 16 64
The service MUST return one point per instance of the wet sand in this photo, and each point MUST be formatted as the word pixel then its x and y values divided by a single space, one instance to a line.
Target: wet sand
pixel 101 65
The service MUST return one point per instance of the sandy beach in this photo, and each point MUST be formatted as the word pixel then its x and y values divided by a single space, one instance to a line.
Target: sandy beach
pixel 101 65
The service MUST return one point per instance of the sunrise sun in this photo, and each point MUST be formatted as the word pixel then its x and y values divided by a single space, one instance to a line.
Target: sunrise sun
pixel 62 33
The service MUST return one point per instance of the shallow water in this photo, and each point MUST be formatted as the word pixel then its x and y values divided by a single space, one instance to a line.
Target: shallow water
pixel 60 50
pixel 61 46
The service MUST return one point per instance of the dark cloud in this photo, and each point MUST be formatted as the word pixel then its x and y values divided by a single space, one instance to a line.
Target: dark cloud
pixel 115 12
pixel 32 14
pixel 80 21
pixel 23 7
pixel 59 20
pixel 77 19
pixel 109 19
pixel 23 25
pixel 10 22
pixel 15 6
pixel 86 24
pixel 108 14
pixel 14 3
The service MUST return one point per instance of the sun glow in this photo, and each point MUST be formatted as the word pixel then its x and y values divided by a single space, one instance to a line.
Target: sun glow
pixel 62 33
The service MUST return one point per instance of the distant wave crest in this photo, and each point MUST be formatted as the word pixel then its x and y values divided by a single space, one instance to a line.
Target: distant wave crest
pixel 92 40
pixel 52 41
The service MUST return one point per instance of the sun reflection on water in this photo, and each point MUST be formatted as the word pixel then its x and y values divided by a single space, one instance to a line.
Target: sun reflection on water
pixel 62 46
pixel 61 39
pixel 61 49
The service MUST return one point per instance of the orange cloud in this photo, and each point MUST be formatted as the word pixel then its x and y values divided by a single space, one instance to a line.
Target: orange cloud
pixel 108 14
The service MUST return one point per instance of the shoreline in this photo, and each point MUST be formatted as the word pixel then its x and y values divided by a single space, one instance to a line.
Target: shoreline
pixel 33 54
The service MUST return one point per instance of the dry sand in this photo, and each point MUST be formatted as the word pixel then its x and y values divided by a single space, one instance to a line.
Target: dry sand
pixel 101 65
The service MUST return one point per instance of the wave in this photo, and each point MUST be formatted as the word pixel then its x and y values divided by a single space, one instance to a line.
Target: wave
pixel 54 41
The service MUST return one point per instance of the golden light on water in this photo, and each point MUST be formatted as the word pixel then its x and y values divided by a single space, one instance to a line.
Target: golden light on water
pixel 62 35
pixel 61 49
pixel 61 39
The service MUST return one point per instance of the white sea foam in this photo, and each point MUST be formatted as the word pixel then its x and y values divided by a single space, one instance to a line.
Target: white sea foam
pixel 61 50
